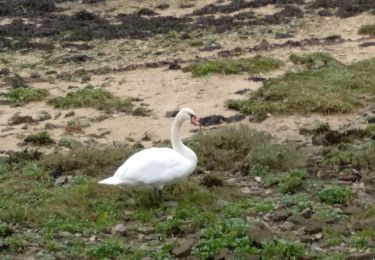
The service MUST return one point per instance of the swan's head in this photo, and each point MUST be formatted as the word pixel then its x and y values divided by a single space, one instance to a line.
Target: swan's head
pixel 186 114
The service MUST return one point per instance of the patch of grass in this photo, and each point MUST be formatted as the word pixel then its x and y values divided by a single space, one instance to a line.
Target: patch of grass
pixel 222 149
pixel 5 231
pixel 364 238
pixel 292 182
pixel 335 194
pixel 97 98
pixel 264 207
pixel 297 202
pixel 314 60
pixel 229 233
pixel 76 125
pixel 39 139
pixel 108 248
pixel 283 250
pixel 88 161
pixel 333 88
pixel 16 81
pixel 20 96
pixel 367 29
pixel 254 65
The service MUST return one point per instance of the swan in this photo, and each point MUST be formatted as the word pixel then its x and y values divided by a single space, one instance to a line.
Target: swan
pixel 157 167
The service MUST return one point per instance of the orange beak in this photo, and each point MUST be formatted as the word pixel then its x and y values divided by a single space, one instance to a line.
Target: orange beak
pixel 195 121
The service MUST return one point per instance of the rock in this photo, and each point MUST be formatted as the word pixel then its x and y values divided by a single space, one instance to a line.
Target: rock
pixel 70 113
pixel 281 215
pixel 235 118
pixel 61 180
pixel 184 248
pixel 212 120
pixel 119 229
pixel 64 234
pixel 363 224
pixel 307 213
pixel 313 127
pixel 77 58
pixel 170 203
pixel 257 78
pixel 4 158
pixel 287 225
pixel 259 233
pixel 147 12
pixel 174 65
pixel 258 117
pixel 172 113
pixel 318 236
pixel 361 256
pixel 223 254
pixel 50 126
pixel 16 120
pixel 313 228
pixel 43 116
pixel 57 114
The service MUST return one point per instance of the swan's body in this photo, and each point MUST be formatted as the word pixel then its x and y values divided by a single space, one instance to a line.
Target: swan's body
pixel 158 167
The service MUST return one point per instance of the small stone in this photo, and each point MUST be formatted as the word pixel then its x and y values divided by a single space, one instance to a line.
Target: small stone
pixel 70 113
pixel 307 213
pixel 258 117
pixel 40 254
pixel 50 126
pixel 119 229
pixel 4 246
pixel 361 256
pixel 57 114
pixel 267 217
pixel 246 190
pixel 281 215
pixel 318 236
pixel 61 180
pixel 287 225
pixel 259 233
pixel 258 178
pixel 4 158
pixel 43 116
pixel 184 248
pixel 223 254
pixel 64 234
pixel 170 203
pixel 92 238
pixel 313 228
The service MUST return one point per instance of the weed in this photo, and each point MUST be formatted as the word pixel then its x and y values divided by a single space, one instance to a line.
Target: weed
pixel 141 111
pixel 5 231
pixel 364 238
pixel 264 207
pixel 368 29
pixel 229 233
pixel 334 88
pixel 297 202
pixel 107 248
pixel 335 194
pixel 20 96
pixel 92 97
pixel 212 180
pixel 292 182
pixel 254 65
pixel 283 250
pixel 41 138
pixel 314 60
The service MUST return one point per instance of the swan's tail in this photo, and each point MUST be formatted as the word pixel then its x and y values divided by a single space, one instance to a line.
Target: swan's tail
pixel 111 181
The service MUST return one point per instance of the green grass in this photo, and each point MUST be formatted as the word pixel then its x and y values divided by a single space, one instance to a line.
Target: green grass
pixel 330 88
pixel 335 195
pixel 255 65
pixel 284 250
pixel 367 29
pixel 292 182
pixel 97 98
pixel 20 96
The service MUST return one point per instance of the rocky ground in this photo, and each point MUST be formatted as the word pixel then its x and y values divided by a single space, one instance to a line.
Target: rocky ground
pixel 285 90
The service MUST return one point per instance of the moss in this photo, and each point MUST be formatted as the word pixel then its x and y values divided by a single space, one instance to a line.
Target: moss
pixel 254 65
pixel 92 97
pixel 20 96
pixel 368 29
pixel 332 88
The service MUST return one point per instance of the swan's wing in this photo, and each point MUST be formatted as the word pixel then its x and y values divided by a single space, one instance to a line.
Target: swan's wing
pixel 154 166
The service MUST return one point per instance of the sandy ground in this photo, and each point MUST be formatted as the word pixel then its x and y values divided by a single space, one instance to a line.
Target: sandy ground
pixel 162 90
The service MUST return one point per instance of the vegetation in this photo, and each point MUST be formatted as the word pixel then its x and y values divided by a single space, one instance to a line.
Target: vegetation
pixel 92 97
pixel 21 95
pixel 41 138
pixel 368 29
pixel 254 65
pixel 334 195
pixel 329 88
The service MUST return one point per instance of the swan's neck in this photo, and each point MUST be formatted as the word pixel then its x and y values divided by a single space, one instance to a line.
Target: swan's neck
pixel 177 144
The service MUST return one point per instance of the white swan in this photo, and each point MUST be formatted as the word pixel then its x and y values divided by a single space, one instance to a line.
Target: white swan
pixel 158 167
